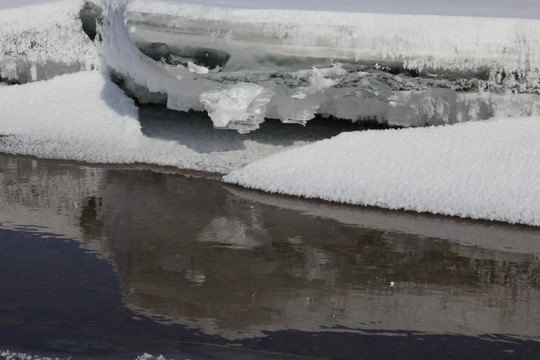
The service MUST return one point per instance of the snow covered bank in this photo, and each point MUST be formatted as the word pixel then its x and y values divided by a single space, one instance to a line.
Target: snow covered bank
pixel 85 117
pixel 41 41
pixel 483 170
pixel 78 116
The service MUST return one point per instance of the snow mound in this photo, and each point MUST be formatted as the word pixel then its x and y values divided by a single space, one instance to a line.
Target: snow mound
pixel 85 117
pixel 482 170
pixel 76 116
pixel 42 41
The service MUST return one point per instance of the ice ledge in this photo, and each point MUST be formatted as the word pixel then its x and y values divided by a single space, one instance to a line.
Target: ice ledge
pixel 407 70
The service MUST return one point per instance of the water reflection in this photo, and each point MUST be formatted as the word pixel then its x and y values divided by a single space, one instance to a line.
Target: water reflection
pixel 239 264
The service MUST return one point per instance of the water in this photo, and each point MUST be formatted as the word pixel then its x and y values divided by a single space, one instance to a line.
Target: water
pixel 112 262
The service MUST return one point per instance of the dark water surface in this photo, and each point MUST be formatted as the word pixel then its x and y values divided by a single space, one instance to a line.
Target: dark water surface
pixel 114 262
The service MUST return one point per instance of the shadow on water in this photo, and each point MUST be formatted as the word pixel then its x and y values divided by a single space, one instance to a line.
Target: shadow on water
pixel 101 262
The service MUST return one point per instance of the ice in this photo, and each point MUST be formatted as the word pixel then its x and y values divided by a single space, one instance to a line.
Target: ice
pixel 352 65
pixel 336 59
pixel 483 170
pixel 241 106
pixel 484 8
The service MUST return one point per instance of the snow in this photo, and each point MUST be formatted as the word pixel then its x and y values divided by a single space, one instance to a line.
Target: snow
pixel 81 109
pixel 410 63
pixel 85 117
pixel 42 41
pixel 10 355
pixel 483 170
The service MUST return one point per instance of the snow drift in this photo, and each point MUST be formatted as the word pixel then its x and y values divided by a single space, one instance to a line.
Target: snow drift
pixel 42 41
pixel 487 170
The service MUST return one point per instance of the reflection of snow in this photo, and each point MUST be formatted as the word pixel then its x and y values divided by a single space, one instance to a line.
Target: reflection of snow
pixel 293 280
pixel 38 198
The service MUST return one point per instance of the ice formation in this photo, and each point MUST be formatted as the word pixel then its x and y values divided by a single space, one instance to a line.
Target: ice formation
pixel 399 69
pixel 405 70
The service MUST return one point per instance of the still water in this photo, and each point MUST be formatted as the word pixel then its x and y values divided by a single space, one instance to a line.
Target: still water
pixel 113 262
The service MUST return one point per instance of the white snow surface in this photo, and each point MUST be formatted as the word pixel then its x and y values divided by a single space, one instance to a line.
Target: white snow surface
pixel 487 170
pixel 44 40
pixel 85 117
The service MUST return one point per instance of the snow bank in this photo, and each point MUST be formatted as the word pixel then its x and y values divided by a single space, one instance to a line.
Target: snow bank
pixel 85 117
pixel 482 170
pixel 75 116
pixel 242 65
pixel 42 41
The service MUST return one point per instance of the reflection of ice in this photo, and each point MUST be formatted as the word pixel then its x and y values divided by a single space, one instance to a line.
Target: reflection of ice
pixel 229 232
pixel 196 277
pixel 301 266
pixel 232 232
pixel 317 266
pixel 479 238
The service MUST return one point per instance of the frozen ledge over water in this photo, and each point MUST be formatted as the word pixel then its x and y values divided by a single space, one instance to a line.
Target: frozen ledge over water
pixel 243 65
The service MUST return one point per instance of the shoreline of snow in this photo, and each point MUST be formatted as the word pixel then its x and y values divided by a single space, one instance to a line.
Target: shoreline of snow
pixel 482 170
